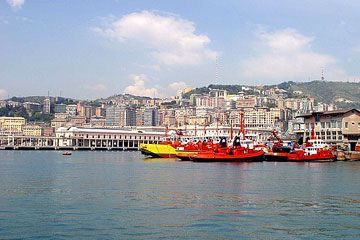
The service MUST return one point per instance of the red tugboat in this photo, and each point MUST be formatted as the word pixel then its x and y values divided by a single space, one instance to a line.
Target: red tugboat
pixel 236 153
pixel 315 150
pixel 190 149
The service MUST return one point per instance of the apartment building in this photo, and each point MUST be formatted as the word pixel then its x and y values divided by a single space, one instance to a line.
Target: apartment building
pixel 32 130
pixel 12 124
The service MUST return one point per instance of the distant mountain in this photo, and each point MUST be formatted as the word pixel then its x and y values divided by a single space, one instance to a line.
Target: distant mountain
pixel 343 94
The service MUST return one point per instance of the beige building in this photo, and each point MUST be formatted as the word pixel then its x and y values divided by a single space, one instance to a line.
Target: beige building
pixel 198 120
pixel 335 127
pixel 12 124
pixel 58 122
pixel 32 130
pixel 259 118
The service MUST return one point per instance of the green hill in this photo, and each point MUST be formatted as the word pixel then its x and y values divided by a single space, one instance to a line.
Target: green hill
pixel 343 94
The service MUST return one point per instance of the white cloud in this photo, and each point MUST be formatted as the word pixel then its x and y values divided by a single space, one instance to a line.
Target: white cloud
pixel 176 86
pixel 16 4
pixel 3 93
pixel 172 40
pixel 138 88
pixel 287 55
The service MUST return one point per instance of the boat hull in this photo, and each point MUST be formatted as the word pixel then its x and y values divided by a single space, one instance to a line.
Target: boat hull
pixel 276 157
pixel 165 151
pixel 256 156
pixel 158 150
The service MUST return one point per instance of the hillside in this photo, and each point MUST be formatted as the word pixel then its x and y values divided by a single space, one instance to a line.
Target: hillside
pixel 343 94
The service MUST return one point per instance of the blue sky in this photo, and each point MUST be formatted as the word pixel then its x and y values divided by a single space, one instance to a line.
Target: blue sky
pixel 91 49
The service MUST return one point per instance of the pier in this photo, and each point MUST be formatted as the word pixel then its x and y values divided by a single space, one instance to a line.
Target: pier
pixel 82 139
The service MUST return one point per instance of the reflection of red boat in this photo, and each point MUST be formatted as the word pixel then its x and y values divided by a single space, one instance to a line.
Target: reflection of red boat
pixel 229 155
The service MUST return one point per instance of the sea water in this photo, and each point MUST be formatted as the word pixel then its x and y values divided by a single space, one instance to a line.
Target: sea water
pixel 122 195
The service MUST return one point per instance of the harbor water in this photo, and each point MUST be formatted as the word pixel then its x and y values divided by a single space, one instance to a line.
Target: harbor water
pixel 122 195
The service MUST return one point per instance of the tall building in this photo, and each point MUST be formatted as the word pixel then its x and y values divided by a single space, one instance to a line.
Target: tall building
pixel 71 110
pixel 100 112
pixel 88 113
pixel 151 116
pixel 130 117
pixel 47 105
pixel 120 116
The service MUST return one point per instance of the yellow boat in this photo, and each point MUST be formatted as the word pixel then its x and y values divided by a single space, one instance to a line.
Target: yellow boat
pixel 164 151
pixel 158 150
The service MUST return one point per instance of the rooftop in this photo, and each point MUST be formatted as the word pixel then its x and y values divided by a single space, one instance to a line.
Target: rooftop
pixel 335 112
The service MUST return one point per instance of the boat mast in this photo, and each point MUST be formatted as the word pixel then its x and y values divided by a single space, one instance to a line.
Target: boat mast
pixel 242 125
pixel 195 129
pixel 313 127
pixel 217 125
pixel 166 131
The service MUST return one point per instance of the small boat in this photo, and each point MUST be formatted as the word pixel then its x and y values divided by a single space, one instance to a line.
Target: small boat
pixel 67 153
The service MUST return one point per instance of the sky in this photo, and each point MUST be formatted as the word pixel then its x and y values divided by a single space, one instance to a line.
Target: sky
pixel 88 49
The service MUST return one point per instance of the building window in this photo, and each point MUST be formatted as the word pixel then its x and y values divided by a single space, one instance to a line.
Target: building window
pixel 339 124
pixel 328 124
pixel 322 125
pixel 346 125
